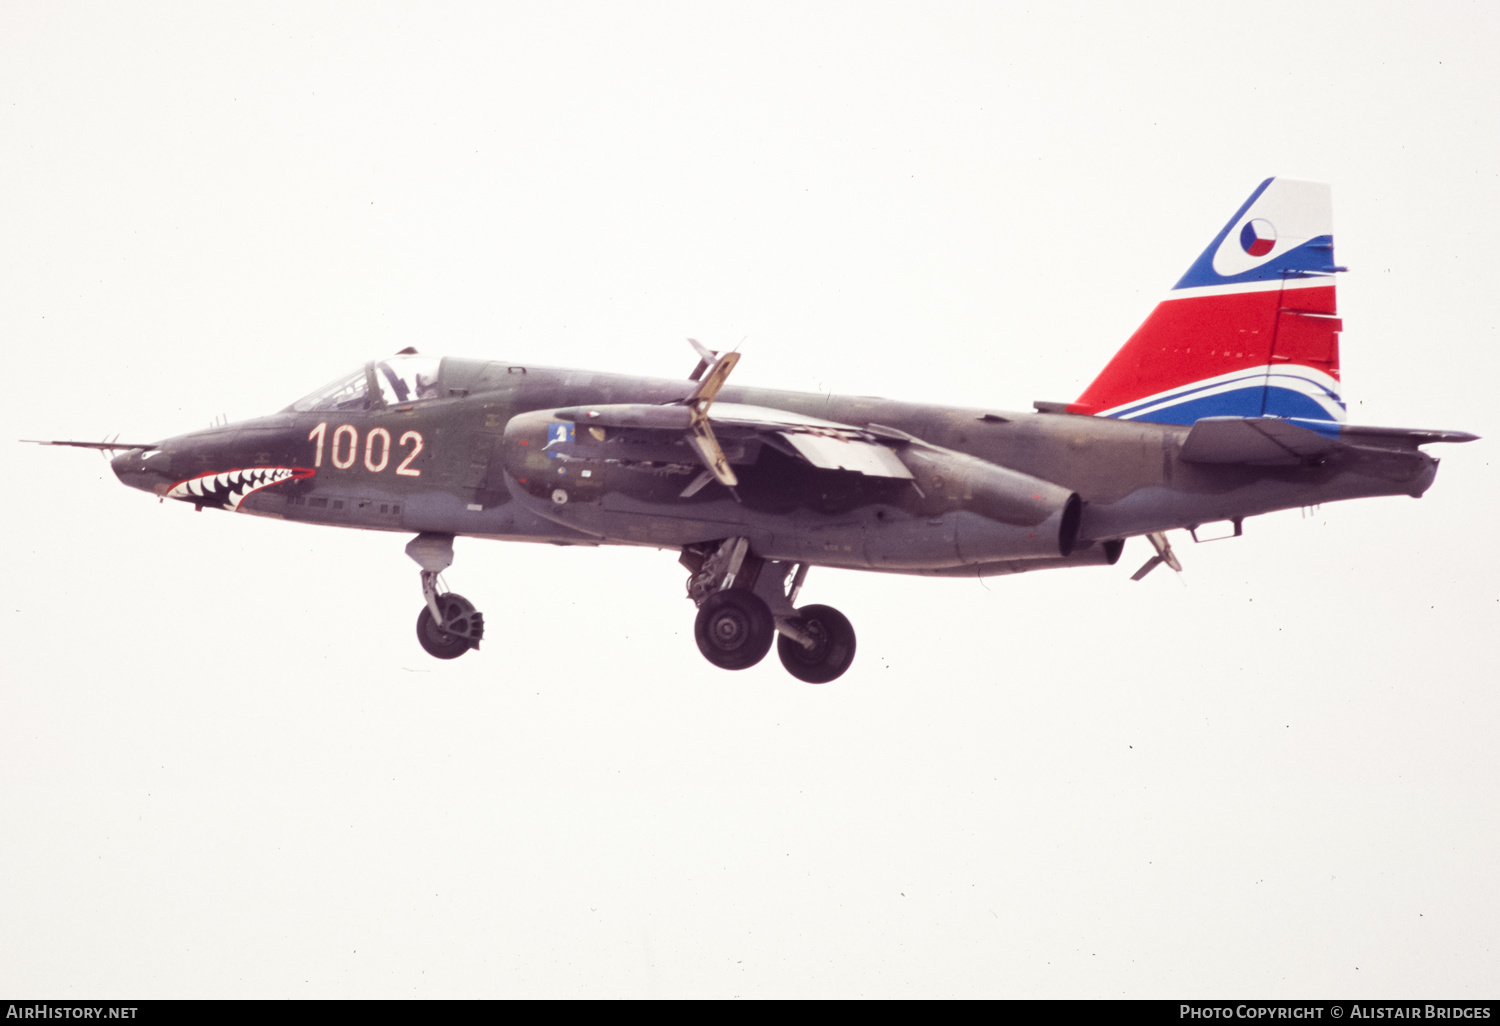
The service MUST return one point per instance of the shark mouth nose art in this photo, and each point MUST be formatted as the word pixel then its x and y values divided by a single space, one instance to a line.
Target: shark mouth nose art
pixel 230 488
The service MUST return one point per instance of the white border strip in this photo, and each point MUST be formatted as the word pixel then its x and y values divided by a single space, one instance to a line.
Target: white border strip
pixel 1321 388
pixel 1319 282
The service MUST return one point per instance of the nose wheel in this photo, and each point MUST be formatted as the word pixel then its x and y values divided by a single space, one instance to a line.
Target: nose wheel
pixel 448 625
pixel 459 630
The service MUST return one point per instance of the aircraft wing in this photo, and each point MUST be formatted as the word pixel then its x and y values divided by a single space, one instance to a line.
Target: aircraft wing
pixel 823 443
pixel 1266 440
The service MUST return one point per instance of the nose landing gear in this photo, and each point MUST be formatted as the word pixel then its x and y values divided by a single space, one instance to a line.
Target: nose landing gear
pixel 448 625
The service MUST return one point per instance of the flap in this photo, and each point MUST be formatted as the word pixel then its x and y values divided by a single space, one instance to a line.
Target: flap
pixel 834 453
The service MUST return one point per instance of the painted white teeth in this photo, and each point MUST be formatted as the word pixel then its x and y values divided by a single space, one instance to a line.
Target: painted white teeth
pixel 237 485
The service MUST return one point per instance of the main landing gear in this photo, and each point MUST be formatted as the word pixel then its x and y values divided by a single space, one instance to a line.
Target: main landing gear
pixel 448 625
pixel 744 602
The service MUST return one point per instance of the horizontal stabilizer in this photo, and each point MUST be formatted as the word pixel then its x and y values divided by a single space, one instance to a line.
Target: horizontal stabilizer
pixel 1278 440
pixel 1253 440
pixel 1400 438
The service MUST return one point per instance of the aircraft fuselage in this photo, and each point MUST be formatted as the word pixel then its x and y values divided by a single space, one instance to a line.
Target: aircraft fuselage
pixel 471 462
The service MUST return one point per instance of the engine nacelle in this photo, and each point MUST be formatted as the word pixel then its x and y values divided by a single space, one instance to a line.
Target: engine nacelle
pixel 1094 553
pixel 971 512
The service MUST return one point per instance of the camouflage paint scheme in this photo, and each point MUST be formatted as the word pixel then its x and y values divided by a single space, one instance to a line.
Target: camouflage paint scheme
pixel 484 473
pixel 1224 404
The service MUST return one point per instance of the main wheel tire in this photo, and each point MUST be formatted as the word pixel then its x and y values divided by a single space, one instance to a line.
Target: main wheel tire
pixel 832 653
pixel 442 644
pixel 734 629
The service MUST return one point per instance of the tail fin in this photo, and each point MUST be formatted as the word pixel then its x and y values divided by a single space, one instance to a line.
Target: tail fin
pixel 1251 330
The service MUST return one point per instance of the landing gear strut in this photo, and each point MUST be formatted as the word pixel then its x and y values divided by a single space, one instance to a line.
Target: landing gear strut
pixel 745 601
pixel 448 625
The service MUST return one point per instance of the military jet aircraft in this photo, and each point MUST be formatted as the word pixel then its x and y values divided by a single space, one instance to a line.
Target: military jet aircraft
pixel 1224 404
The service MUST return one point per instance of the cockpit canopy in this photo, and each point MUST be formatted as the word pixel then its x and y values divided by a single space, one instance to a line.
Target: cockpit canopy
pixel 398 379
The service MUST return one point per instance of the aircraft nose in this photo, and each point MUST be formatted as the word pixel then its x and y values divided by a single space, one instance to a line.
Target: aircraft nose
pixel 149 470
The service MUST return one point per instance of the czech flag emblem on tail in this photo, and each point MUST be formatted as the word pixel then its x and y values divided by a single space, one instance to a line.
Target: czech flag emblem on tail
pixel 1251 330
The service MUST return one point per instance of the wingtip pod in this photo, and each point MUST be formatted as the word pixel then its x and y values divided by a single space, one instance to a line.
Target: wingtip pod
pixel 1250 330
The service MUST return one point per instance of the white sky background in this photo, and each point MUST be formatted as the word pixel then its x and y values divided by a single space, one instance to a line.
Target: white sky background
pixel 227 768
